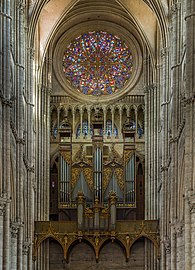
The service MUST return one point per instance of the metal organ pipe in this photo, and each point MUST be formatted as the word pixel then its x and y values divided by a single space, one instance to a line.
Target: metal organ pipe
pixel 130 180
pixel 98 173
pixel 61 177
pixel 64 180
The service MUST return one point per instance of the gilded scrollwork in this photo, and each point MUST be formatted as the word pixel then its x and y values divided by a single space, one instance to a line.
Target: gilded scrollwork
pixel 114 157
pixel 80 155
pixel 80 158
pixel 127 155
pixel 88 174
pixel 107 174
pixel 120 177
pixel 67 156
pixel 129 232
pixel 75 176
pixel 88 212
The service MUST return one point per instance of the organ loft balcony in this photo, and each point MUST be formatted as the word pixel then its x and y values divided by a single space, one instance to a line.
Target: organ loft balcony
pixel 96 225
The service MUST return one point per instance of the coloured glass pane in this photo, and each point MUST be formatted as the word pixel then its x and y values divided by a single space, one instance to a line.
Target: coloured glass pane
pixel 97 63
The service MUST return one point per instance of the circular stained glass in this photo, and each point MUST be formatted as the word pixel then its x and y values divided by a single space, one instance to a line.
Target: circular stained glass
pixel 97 63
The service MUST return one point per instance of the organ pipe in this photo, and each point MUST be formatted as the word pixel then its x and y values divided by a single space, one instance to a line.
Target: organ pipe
pixel 98 173
pixel 64 180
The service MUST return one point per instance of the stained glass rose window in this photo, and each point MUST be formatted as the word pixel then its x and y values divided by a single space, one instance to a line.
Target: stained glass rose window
pixel 97 63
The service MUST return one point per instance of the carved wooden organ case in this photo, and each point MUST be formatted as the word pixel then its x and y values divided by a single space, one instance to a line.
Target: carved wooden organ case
pixel 96 169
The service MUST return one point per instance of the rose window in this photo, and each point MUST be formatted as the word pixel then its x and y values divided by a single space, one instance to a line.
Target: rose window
pixel 97 63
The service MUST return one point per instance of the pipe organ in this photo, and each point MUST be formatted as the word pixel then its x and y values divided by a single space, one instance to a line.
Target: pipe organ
pixel 98 164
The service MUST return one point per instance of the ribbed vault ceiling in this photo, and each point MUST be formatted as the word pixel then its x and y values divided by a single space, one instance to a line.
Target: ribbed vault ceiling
pixel 51 18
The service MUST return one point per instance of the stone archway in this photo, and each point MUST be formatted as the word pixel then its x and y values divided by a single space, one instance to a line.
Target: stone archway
pixel 137 254
pixel 81 257
pixel 56 256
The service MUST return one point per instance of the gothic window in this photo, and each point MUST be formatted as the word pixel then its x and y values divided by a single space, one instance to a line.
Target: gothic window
pixel 140 126
pixel 55 131
pixel 97 63
pixel 84 129
pixel 109 129
pixel 132 119
pixel 132 125
pixel 54 126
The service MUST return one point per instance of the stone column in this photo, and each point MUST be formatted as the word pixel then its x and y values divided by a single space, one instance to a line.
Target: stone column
pixel 81 120
pixel 20 246
pixel 136 122
pixel 58 117
pixel 164 150
pixel 146 120
pixel 5 76
pixel 120 122
pixel 14 234
pixel 6 238
pixel 167 245
pixel 192 212
pixel 89 121
pixel 112 112
pixel 73 123
pixel 190 135
pixel 2 210
pixel 173 248
pixel 174 117
pixel 180 246
pixel 30 141
pixel 25 256
pixel 104 110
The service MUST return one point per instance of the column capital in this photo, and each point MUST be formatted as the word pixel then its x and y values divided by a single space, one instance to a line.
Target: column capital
pixel 164 51
pixel 104 109
pixel 179 229
pixel 112 110
pixel 80 109
pixel 191 201
pixel 167 245
pixel 14 229
pixel 25 248
pixel 88 109
pixel 21 6
pixel 192 207
pixel 3 202
pixel 31 52
pixel 149 88
pixel 146 60
pixel 34 185
pixel 175 7
pixel 50 90
pixel 49 60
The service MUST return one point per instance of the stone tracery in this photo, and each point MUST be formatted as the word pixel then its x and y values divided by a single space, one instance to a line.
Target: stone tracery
pixel 97 63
